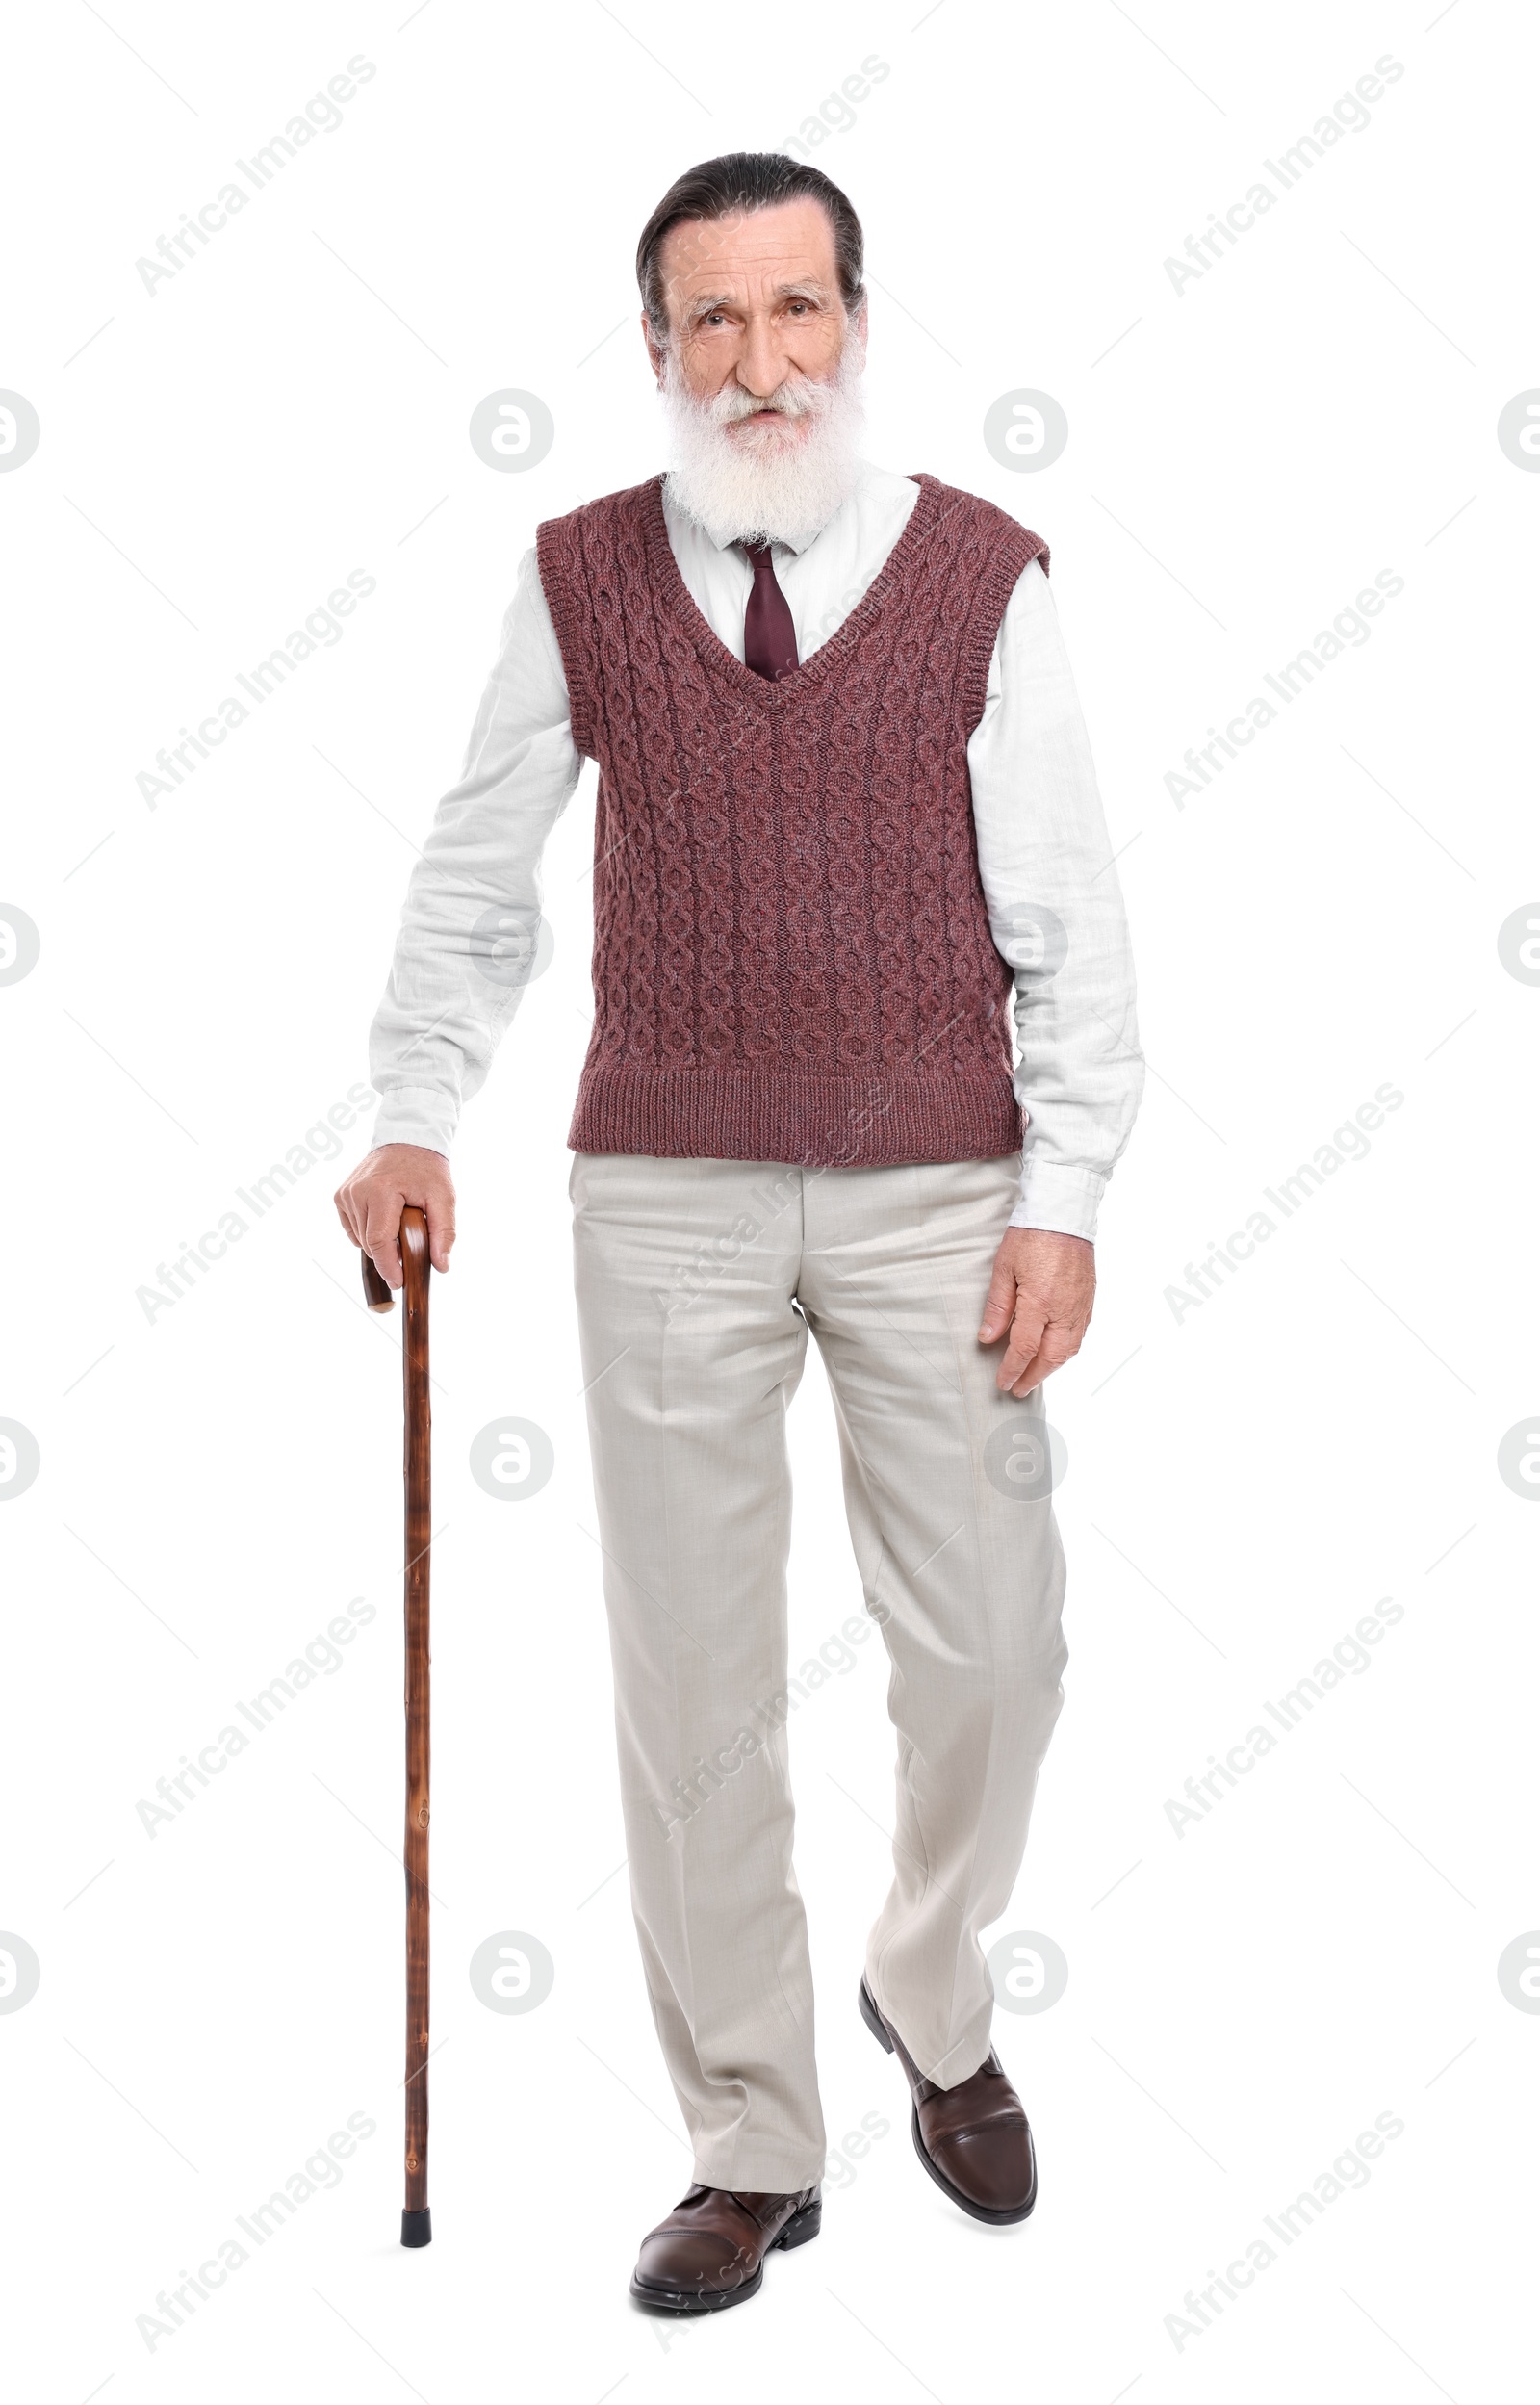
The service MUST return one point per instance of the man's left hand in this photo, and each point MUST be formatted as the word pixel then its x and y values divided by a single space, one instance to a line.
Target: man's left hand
pixel 1042 1290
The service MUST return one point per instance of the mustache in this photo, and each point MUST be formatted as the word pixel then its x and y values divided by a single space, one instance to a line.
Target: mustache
pixel 795 397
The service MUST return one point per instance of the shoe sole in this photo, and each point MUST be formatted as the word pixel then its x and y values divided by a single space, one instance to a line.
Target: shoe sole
pixel 999 2217
pixel 801 2227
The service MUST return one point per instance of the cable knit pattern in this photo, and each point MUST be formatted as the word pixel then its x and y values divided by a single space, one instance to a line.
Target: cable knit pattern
pixel 792 957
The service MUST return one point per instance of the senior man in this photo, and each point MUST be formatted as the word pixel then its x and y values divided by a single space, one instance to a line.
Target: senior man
pixel 847 828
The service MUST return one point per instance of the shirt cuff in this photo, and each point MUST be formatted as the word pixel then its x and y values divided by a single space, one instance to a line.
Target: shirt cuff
pixel 416 1115
pixel 1058 1198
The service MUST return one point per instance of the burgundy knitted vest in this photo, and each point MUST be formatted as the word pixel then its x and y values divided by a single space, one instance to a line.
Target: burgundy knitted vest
pixel 792 957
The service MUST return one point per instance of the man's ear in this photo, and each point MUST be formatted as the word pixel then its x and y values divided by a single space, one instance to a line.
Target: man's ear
pixel 654 354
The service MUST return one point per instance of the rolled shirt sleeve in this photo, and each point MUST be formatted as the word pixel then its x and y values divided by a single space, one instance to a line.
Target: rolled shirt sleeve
pixel 1056 912
pixel 467 943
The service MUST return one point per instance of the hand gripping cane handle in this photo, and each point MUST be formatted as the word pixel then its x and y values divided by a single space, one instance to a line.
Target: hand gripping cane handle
pixel 417 2229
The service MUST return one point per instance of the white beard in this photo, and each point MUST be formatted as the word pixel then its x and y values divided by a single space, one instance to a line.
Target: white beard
pixel 765 484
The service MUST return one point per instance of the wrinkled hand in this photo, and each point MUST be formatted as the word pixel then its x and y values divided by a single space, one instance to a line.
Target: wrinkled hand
pixel 1042 1289
pixel 370 1204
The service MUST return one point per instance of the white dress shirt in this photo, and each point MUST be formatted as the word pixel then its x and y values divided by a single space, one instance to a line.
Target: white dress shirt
pixel 1055 906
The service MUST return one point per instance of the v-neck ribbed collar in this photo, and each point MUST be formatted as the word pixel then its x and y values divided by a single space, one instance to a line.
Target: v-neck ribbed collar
pixel 708 645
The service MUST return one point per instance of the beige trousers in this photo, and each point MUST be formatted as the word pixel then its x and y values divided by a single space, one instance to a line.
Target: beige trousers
pixel 697 1283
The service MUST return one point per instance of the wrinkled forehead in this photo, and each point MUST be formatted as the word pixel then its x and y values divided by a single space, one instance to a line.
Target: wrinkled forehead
pixel 750 258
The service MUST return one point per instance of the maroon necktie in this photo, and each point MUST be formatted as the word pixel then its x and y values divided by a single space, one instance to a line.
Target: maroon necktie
pixel 769 637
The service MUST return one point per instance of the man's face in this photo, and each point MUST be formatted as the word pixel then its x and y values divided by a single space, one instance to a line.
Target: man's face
pixel 752 299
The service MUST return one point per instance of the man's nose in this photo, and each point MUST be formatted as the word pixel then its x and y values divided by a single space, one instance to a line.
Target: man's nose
pixel 763 367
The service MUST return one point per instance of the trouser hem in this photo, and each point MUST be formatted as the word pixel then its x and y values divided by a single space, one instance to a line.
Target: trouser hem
pixel 968 2054
pixel 761 2175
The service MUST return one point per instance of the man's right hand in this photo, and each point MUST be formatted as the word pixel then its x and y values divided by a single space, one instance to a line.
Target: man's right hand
pixel 370 1202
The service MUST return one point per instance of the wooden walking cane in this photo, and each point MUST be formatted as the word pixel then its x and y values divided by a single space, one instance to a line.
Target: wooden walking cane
pixel 417 2224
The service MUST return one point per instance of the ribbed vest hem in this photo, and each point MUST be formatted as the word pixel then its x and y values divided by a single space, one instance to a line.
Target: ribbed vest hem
pixel 813 1118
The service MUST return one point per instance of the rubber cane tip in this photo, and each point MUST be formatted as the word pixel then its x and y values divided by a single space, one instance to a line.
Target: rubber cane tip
pixel 417 2229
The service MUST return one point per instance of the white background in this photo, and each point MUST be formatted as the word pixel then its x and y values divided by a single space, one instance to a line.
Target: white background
pixel 1245 1481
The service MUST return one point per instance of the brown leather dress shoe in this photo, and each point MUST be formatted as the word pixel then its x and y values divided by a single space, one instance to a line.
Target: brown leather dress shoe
pixel 974 2141
pixel 710 2250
